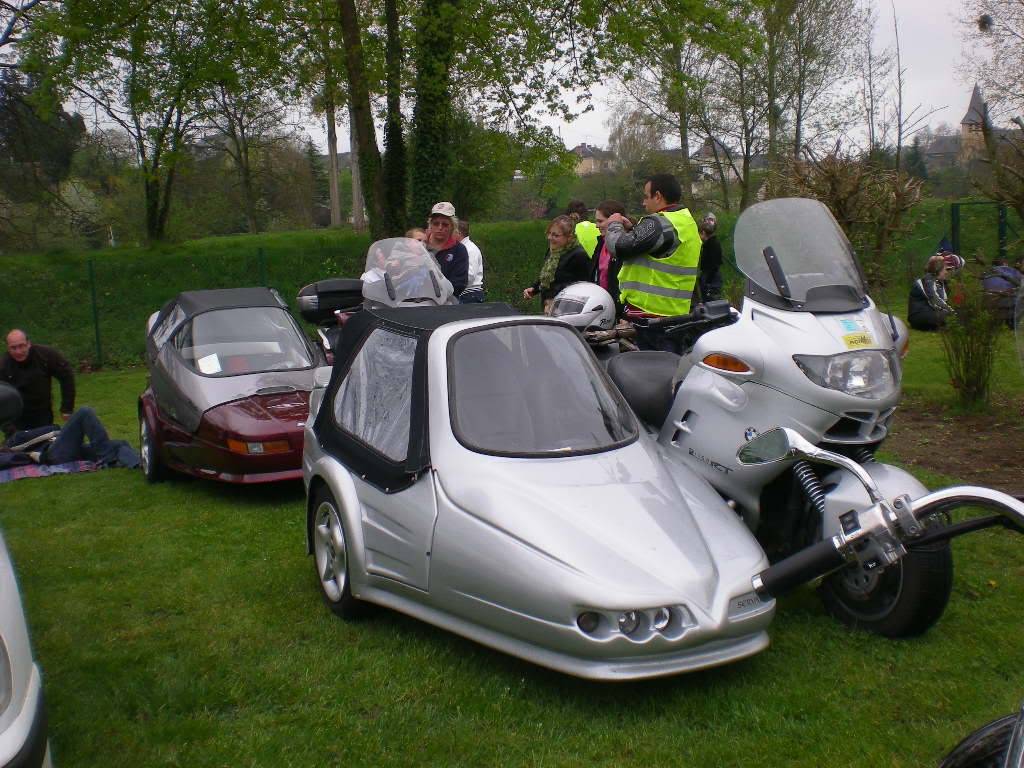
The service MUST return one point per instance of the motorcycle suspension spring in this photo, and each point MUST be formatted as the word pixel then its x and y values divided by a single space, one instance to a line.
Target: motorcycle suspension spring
pixel 811 484
pixel 863 455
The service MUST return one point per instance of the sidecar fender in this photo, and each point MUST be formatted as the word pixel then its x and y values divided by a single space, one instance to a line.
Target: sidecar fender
pixel 845 492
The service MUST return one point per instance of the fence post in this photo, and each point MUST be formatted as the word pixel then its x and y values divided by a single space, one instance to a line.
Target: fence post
pixel 95 313
pixel 1002 231
pixel 263 267
pixel 954 225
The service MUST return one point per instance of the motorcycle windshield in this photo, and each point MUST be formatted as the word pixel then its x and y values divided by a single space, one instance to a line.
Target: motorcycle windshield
pixel 796 256
pixel 400 271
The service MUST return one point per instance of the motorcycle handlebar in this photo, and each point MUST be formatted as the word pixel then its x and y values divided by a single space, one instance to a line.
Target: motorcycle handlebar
pixel 816 560
pixel 973 496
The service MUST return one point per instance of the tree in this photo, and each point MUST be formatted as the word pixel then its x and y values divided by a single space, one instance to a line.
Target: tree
pixel 35 150
pixel 997 27
pixel 144 66
pixel 364 147
pixel 317 65
pixel 431 138
pixel 824 37
pixel 15 19
pixel 243 107
pixel 671 84
pixel 873 69
pixel 913 162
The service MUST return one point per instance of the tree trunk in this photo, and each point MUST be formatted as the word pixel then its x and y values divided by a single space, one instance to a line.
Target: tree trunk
pixel 683 117
pixel 431 124
pixel 362 117
pixel 358 207
pixel 394 167
pixel 151 189
pixel 332 161
pixel 723 182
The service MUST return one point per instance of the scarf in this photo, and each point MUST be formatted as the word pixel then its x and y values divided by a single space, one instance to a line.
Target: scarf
pixel 547 272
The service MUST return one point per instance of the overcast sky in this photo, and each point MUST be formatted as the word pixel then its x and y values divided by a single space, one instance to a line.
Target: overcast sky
pixel 930 42
pixel 930 45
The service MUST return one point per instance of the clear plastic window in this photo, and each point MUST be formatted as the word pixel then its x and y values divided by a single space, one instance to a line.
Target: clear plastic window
pixel 170 322
pixel 232 342
pixel 533 390
pixel 374 400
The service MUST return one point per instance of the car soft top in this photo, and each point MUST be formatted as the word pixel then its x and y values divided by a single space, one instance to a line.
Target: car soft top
pixel 192 303
pixel 412 322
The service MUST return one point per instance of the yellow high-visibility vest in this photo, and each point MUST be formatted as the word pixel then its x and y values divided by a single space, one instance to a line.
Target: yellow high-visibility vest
pixel 587 234
pixel 664 286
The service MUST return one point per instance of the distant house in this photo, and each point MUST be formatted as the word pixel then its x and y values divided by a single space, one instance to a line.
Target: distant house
pixel 591 159
pixel 963 149
pixel 714 154
pixel 344 160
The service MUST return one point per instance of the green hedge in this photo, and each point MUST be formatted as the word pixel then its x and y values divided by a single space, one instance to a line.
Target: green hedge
pixel 50 296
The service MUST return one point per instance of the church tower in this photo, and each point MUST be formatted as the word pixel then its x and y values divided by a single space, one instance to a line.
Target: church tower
pixel 972 140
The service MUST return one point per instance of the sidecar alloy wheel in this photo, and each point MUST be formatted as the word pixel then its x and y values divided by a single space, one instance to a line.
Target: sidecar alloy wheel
pixel 330 554
pixel 902 601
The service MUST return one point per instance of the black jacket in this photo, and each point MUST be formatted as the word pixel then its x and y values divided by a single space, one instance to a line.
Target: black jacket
pixel 454 263
pixel 614 265
pixel 33 379
pixel 710 279
pixel 573 267
pixel 927 306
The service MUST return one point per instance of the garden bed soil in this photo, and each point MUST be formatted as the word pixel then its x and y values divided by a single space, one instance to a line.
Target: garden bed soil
pixel 984 449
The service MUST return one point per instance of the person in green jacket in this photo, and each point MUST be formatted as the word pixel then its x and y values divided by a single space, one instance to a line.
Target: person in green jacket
pixel 660 254
pixel 586 230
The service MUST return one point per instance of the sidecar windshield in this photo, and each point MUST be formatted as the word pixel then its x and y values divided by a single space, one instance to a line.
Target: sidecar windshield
pixel 792 250
pixel 400 272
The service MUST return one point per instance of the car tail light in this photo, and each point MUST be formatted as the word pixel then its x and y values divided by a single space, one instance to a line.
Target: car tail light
pixel 258 448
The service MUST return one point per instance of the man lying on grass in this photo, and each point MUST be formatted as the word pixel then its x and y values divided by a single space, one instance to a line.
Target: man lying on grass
pixel 82 438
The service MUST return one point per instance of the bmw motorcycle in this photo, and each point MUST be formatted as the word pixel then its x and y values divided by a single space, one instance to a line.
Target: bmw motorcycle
pixel 809 351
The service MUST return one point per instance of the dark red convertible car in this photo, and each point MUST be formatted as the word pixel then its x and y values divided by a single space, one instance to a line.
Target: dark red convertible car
pixel 230 373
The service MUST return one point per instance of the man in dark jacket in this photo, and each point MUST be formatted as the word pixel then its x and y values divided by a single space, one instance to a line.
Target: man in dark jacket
pixel 31 368
pixel 710 279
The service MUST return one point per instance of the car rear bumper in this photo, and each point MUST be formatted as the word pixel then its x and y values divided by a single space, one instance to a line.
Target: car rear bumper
pixel 24 743
pixel 245 478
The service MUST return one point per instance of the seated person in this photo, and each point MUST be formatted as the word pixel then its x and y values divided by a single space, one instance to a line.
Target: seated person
pixel 928 305
pixel 31 369
pixel 1001 284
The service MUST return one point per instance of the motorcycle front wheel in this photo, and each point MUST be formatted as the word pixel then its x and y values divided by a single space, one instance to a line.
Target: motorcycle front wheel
pixel 903 600
pixel 987 747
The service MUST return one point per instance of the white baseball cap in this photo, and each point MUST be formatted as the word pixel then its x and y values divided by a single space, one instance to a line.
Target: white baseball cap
pixel 443 209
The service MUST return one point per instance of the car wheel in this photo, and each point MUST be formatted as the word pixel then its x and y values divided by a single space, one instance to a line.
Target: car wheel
pixel 149 456
pixel 330 554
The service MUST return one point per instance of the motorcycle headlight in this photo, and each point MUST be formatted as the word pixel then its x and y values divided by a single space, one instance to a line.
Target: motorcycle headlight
pixel 870 373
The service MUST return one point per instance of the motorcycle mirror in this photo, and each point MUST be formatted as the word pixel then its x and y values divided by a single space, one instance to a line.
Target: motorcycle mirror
pixel 766 448
pixel 784 443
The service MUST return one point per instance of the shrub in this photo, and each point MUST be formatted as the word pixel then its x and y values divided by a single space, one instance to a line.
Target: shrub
pixel 969 341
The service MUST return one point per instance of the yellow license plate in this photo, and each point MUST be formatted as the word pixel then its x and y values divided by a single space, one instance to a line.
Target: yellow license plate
pixel 858 340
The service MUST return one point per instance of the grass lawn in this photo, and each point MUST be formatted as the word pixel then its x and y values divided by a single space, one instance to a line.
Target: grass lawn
pixel 180 625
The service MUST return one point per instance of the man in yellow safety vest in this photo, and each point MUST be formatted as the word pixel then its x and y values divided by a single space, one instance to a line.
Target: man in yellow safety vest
pixel 659 254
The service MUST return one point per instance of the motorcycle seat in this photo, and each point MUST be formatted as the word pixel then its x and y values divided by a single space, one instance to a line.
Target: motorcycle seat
pixel 645 380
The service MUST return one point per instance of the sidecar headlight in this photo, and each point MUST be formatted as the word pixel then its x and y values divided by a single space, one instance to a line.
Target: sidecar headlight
pixel 871 373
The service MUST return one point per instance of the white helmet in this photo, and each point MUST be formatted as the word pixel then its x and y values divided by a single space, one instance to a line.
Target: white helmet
pixel 585 306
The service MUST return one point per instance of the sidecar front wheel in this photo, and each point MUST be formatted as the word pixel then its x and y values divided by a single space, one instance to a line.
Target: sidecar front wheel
pixel 904 600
